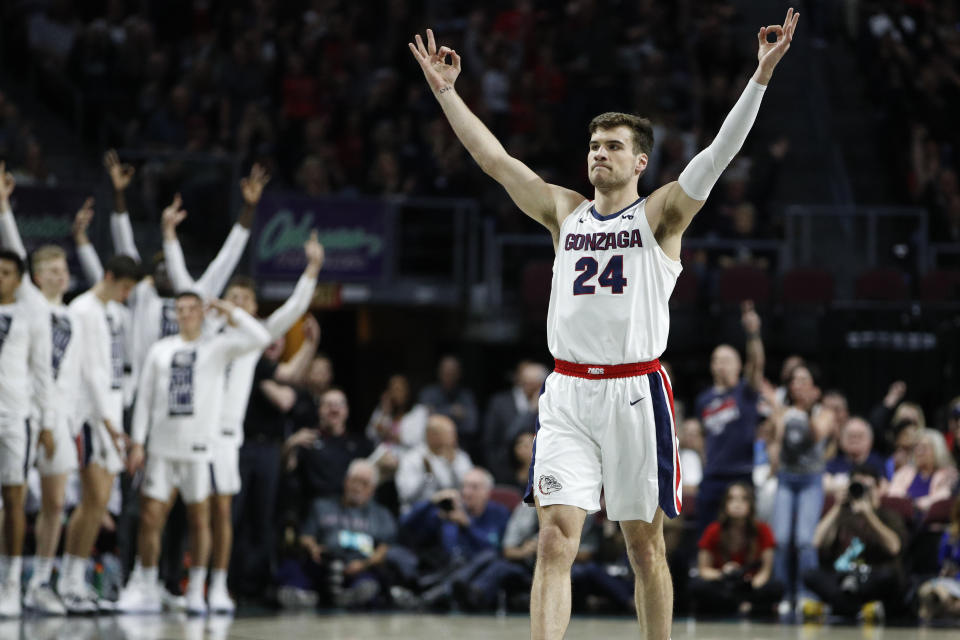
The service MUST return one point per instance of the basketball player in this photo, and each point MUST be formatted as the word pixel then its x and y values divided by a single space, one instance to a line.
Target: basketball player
pixel 53 277
pixel 101 322
pixel 225 467
pixel 179 404
pixel 606 414
pixel 24 371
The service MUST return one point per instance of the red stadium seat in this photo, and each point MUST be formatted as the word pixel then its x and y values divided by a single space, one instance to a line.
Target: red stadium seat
pixel 882 284
pixel 900 505
pixel 687 288
pixel 938 516
pixel 506 495
pixel 940 285
pixel 743 282
pixel 807 287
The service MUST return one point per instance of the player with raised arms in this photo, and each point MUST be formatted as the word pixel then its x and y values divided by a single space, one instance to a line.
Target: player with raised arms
pixel 606 412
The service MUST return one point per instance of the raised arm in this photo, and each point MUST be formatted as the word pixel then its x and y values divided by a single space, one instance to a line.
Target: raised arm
pixel 170 219
pixel 756 359
pixel 280 321
pixel 673 206
pixel 120 228
pixel 215 277
pixel 9 234
pixel 86 253
pixel 547 204
pixel 252 334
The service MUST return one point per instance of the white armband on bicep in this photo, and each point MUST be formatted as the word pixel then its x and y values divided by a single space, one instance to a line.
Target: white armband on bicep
pixel 698 178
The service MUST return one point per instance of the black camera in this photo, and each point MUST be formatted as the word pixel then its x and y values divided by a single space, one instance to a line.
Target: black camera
pixel 856 490
pixel 446 504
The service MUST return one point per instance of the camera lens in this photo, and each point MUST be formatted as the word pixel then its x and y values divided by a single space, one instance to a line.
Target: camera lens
pixel 856 490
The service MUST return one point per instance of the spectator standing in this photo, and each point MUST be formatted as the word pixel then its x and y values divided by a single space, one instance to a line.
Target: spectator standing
pixel 728 413
pixel 940 596
pixel 801 431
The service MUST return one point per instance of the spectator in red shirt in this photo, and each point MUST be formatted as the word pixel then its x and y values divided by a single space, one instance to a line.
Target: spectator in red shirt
pixel 735 560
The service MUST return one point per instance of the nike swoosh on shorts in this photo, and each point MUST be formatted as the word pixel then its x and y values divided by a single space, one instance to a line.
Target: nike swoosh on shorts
pixel 635 401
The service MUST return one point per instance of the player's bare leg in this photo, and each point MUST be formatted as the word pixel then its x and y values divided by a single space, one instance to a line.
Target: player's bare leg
pixel 560 528
pixel 153 515
pixel 198 524
pixel 222 531
pixel 51 511
pixel 85 521
pixel 14 525
pixel 653 588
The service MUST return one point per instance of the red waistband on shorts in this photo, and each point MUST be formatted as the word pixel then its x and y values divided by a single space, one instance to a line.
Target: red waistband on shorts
pixel 603 371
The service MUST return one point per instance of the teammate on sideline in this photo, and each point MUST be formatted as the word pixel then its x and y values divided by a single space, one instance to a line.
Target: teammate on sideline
pixel 24 371
pixel 152 302
pixel 225 467
pixel 101 323
pixel 606 414
pixel 179 403
pixel 53 277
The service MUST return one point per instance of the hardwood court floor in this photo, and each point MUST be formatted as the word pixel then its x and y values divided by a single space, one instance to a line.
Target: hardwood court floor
pixel 419 627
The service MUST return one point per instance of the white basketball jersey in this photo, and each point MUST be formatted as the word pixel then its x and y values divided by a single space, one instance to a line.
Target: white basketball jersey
pixel 611 287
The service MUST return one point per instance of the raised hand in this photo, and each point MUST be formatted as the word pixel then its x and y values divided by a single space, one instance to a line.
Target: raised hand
pixel 172 216
pixel 252 186
pixel 440 74
pixel 7 184
pixel 81 222
pixel 314 252
pixel 770 53
pixel 223 307
pixel 750 319
pixel 120 174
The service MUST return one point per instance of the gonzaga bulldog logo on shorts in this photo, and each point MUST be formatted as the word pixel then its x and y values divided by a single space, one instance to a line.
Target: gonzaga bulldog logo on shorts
pixel 548 485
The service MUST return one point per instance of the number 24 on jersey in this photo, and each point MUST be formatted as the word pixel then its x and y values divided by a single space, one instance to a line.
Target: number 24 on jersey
pixel 611 276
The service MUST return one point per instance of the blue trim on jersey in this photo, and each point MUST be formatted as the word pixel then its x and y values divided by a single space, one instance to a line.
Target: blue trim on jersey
pixel 213 481
pixel 665 454
pixel 593 210
pixel 528 494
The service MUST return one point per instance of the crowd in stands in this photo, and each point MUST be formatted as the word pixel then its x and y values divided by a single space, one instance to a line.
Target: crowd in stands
pixel 324 95
pixel 910 52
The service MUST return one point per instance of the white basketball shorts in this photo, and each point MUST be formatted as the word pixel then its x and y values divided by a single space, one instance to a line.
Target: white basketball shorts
pixel 64 458
pixel 16 451
pixel 225 469
pixel 95 446
pixel 162 475
pixel 610 427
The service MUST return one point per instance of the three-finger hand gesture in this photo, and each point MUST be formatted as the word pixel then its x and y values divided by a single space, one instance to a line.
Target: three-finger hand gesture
pixel 252 186
pixel 750 319
pixel 173 215
pixel 120 174
pixel 770 53
pixel 440 74
pixel 81 221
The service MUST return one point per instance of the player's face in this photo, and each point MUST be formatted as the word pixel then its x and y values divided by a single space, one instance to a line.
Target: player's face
pixel 119 290
pixel 611 162
pixel 53 276
pixel 9 278
pixel 190 314
pixel 244 298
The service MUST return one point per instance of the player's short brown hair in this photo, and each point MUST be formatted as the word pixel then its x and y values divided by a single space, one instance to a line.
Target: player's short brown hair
pixel 244 282
pixel 46 253
pixel 641 128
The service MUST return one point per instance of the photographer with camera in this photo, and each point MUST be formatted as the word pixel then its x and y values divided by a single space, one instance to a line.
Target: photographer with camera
pixel 860 545
pixel 439 463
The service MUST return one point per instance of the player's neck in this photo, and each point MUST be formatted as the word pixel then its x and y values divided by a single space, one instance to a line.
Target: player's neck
pixel 56 299
pixel 609 201
pixel 190 336
pixel 8 299
pixel 100 291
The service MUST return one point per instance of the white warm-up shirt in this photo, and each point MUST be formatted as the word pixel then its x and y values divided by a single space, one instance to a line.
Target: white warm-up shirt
pixel 181 391
pixel 100 336
pixel 25 363
pixel 64 359
pixel 239 378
